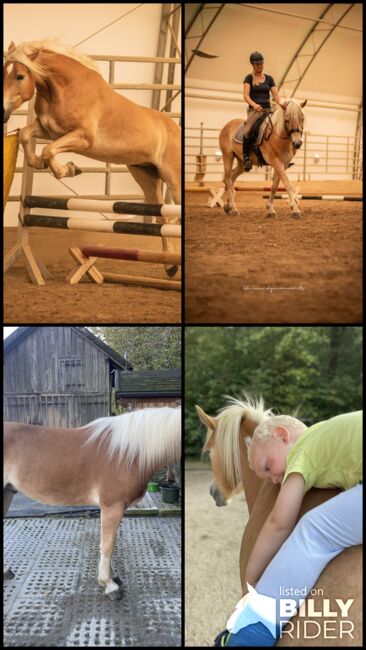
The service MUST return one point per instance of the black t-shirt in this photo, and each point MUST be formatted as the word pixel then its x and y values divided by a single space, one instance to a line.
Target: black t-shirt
pixel 260 93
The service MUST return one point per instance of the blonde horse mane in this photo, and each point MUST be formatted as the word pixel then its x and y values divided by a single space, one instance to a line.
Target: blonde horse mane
pixel 23 51
pixel 151 435
pixel 227 441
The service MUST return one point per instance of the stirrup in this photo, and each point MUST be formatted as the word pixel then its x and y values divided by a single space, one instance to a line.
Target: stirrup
pixel 247 164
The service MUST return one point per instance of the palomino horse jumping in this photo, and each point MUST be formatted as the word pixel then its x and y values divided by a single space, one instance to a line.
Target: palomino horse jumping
pixel 107 463
pixel 341 579
pixel 278 147
pixel 80 112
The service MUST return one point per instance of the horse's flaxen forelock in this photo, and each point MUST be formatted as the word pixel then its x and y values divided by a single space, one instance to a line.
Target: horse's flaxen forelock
pixel 227 443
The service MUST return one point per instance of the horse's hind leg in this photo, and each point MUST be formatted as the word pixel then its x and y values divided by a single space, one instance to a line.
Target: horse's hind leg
pixel 9 494
pixel 110 517
pixel 151 184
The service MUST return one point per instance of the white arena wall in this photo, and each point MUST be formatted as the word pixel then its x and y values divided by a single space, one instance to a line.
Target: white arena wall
pixel 136 34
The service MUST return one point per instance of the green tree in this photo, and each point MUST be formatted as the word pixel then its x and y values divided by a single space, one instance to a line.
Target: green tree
pixel 315 370
pixel 147 348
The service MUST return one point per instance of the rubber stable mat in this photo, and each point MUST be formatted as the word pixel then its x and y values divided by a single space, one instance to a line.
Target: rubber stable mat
pixel 55 600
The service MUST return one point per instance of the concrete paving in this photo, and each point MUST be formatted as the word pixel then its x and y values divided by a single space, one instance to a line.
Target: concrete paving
pixel 150 504
pixel 54 599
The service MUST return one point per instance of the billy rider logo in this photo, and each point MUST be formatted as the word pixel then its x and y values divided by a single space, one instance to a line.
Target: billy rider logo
pixel 318 617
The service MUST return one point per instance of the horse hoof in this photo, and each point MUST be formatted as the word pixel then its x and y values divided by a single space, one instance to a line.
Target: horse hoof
pixel 271 215
pixel 235 213
pixel 117 580
pixel 171 271
pixel 8 575
pixel 115 595
pixel 227 208
pixel 296 215
pixel 72 169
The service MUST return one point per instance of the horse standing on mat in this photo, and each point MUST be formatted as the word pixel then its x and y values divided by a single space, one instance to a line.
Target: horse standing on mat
pixel 280 137
pixel 106 463
pixel 80 112
pixel 225 442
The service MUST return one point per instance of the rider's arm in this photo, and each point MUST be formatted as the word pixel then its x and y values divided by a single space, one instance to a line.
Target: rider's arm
pixel 276 96
pixel 277 526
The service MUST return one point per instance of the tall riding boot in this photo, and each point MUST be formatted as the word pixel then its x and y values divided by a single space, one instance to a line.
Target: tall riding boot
pixel 246 154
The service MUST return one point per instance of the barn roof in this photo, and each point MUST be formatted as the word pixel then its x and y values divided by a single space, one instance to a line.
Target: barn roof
pixel 149 383
pixel 118 362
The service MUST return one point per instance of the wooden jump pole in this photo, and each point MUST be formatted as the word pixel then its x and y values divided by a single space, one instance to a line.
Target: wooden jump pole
pixel 88 255
pixel 133 254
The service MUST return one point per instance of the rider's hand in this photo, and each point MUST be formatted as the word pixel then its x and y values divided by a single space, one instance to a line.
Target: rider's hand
pixel 258 108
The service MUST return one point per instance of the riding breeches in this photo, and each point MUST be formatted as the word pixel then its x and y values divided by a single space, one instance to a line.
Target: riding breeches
pixel 252 118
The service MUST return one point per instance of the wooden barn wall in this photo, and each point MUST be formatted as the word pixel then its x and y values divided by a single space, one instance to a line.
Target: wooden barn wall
pixel 56 377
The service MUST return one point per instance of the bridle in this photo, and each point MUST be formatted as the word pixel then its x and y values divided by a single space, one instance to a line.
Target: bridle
pixel 288 136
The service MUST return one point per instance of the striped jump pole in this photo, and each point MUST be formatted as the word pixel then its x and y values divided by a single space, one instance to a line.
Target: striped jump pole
pixel 316 197
pixel 98 225
pixel 91 205
pixel 258 189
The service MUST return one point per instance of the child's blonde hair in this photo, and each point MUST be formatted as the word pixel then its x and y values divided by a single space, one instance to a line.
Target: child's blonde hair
pixel 265 430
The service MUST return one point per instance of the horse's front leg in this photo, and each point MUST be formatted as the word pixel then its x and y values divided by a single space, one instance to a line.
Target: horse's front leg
pixel 229 207
pixel 110 519
pixel 34 130
pixel 271 211
pixel 77 141
pixel 279 168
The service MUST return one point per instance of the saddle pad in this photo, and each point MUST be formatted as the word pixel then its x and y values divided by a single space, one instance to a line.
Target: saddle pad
pixel 238 137
pixel 257 131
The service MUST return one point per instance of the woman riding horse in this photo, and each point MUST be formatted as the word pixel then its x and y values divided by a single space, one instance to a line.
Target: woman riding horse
pixel 257 87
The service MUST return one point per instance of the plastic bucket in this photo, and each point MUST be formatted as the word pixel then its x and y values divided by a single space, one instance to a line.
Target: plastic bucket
pixel 169 494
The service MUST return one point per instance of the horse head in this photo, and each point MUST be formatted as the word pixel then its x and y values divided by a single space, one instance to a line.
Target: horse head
pixel 294 121
pixel 227 446
pixel 19 80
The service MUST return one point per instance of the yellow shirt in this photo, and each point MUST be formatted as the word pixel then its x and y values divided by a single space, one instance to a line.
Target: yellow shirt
pixel 329 454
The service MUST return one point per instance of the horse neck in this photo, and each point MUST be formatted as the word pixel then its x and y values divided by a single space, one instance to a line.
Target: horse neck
pixel 251 482
pixel 279 122
pixel 60 69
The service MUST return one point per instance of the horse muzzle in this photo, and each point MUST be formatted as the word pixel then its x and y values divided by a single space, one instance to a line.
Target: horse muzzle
pixel 6 114
pixel 217 496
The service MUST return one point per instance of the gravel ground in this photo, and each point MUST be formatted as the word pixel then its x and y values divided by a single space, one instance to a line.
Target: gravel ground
pixel 212 545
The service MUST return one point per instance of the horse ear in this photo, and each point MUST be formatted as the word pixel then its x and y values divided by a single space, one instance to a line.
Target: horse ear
pixel 303 103
pixel 12 47
pixel 35 54
pixel 206 419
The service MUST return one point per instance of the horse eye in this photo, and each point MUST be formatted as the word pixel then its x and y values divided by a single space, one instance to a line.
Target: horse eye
pixel 20 77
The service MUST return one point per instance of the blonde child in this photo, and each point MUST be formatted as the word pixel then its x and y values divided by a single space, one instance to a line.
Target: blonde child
pixel 285 451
